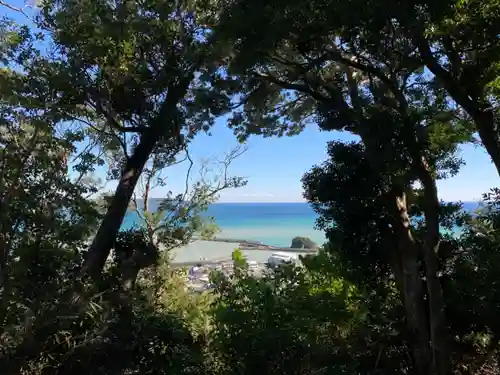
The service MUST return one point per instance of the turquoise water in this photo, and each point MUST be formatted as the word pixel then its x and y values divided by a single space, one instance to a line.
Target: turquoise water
pixel 272 223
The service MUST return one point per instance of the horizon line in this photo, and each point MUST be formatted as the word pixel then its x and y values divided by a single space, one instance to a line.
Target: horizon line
pixel 242 202
pixel 296 202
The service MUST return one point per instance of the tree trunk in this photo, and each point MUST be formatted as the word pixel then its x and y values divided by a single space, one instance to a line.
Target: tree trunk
pixel 406 268
pixel 437 318
pixel 416 317
pixel 488 131
pixel 164 125
pixel 105 237
pixel 408 258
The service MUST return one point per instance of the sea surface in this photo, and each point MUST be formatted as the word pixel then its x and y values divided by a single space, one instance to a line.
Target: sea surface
pixel 271 223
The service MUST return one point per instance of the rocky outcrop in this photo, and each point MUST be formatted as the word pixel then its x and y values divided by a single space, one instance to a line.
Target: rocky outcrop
pixel 303 243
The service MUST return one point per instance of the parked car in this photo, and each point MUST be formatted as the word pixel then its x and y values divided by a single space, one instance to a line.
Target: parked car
pixel 277 259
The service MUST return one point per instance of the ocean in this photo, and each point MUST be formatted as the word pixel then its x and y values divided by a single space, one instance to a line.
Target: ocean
pixel 271 223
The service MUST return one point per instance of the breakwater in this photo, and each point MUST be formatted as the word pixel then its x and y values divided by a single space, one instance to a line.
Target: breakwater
pixel 246 245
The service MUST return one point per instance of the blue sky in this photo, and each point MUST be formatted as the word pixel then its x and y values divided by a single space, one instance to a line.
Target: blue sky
pixel 274 166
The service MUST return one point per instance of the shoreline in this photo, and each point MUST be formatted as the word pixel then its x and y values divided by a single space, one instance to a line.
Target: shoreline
pixel 199 270
pixel 201 251
pixel 248 245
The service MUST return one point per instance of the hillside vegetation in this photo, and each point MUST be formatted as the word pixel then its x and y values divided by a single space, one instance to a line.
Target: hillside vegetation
pixel 125 86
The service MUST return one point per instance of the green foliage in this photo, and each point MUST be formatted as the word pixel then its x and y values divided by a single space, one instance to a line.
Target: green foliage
pixel 123 74
pixel 343 184
pixel 364 72
pixel 167 289
pixel 471 280
pixel 180 218
pixel 312 320
pixel 51 322
pixel 139 50
pixel 238 258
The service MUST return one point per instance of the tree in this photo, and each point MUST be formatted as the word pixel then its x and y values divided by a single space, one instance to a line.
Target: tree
pixel 45 216
pixel 178 218
pixel 37 197
pixel 315 322
pixel 456 42
pixel 315 67
pixel 470 284
pixel 143 75
pixel 139 80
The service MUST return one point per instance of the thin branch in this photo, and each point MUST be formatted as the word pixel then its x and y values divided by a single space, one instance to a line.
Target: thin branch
pixel 138 212
pixel 377 72
pixel 458 93
pixel 15 9
pixel 188 175
pixel 113 122
pixel 292 86
pixel 86 149
pixel 102 131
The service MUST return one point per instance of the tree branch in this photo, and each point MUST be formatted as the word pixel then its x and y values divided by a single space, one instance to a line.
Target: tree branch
pixel 292 86
pixel 443 75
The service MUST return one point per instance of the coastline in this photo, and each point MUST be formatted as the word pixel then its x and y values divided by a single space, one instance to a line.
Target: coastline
pixel 273 224
pixel 258 245
pixel 220 250
pixel 217 255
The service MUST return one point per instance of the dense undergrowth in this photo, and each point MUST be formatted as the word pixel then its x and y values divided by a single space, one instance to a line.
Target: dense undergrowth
pixel 118 90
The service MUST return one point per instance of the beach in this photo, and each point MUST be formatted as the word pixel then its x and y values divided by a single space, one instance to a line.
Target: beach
pixel 274 224
pixel 219 251
pixel 201 258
